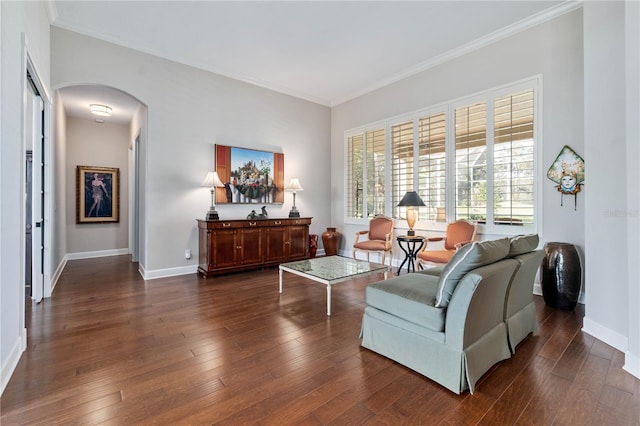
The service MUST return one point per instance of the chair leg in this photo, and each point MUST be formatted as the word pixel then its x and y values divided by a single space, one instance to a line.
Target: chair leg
pixel 383 253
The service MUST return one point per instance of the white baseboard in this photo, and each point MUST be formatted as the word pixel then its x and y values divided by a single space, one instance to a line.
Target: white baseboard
pixel 537 289
pixel 168 272
pixel 11 363
pixel 141 270
pixel 631 364
pixel 99 253
pixel 605 334
pixel 58 272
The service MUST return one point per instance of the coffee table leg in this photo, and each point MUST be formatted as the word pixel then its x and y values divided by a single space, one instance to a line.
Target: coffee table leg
pixel 328 300
pixel 280 281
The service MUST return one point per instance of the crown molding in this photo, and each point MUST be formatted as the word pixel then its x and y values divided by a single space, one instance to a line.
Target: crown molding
pixel 531 21
pixel 508 31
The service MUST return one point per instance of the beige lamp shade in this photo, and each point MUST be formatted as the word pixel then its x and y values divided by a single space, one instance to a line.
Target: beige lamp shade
pixel 212 181
pixel 294 186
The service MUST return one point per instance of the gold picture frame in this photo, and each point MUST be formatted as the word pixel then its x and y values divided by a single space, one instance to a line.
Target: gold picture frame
pixel 97 194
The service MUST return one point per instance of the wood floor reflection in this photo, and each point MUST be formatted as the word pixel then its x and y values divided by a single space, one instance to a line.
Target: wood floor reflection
pixel 110 348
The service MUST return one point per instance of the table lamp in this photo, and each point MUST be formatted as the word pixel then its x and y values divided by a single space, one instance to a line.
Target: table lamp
pixel 294 185
pixel 212 181
pixel 410 200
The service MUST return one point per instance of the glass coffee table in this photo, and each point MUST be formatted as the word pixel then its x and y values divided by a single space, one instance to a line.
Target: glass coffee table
pixel 331 270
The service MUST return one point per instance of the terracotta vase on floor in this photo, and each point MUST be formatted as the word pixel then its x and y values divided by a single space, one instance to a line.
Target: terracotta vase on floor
pixel 331 240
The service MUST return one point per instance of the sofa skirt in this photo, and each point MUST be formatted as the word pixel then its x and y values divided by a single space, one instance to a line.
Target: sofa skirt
pixel 521 324
pixel 453 368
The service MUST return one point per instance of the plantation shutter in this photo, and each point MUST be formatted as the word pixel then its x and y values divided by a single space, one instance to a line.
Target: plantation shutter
pixel 354 200
pixel 432 167
pixel 375 173
pixel 401 164
pixel 471 162
pixel 513 155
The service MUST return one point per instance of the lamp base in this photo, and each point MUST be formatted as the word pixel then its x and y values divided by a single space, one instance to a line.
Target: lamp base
pixel 411 233
pixel 212 215
pixel 294 212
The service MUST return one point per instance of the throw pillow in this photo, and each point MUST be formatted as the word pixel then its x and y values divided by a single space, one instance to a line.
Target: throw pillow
pixel 521 244
pixel 468 257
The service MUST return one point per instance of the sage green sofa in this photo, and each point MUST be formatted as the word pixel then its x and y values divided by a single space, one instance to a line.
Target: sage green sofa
pixel 449 327
pixel 519 309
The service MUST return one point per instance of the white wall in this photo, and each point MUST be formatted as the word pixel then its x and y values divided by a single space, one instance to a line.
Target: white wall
pixel 552 49
pixel 59 249
pixel 137 129
pixel 17 19
pixel 607 218
pixel 632 54
pixel 189 111
pixel 102 145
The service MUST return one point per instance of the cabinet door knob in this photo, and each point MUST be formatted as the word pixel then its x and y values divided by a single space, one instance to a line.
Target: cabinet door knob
pixel 226 225
pixel 278 222
pixel 252 223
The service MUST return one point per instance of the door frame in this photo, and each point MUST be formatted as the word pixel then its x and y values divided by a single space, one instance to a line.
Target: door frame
pixel 33 129
pixel 29 66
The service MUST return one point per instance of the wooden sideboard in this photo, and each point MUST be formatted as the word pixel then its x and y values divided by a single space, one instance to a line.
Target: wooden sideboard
pixel 236 245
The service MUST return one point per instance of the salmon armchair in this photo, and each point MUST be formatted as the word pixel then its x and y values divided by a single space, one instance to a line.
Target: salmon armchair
pixel 379 238
pixel 458 234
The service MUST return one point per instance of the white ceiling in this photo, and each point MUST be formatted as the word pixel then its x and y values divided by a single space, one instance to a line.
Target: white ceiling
pixel 326 52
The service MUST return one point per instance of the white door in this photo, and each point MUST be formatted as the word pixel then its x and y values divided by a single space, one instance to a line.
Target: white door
pixel 37 202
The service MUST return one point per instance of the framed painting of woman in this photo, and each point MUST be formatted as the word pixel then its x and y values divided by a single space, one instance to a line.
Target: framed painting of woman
pixel 97 194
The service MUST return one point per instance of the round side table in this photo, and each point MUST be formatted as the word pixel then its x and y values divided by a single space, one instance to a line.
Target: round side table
pixel 410 245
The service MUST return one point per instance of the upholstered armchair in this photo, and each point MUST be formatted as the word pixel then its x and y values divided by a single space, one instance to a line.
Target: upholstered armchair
pixel 458 234
pixel 379 238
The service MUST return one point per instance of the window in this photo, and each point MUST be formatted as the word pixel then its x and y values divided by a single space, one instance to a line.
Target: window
pixel 471 162
pixel 401 164
pixel 355 150
pixel 366 179
pixel 513 159
pixel 472 159
pixel 375 172
pixel 432 167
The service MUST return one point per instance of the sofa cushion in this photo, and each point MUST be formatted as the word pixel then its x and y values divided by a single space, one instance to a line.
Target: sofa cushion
pixel 434 270
pixel 468 257
pixel 521 244
pixel 410 297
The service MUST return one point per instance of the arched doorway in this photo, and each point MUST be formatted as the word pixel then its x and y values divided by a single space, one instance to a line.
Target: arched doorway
pixel 114 140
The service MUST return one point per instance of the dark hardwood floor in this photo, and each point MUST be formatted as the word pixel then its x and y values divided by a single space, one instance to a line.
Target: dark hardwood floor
pixel 110 348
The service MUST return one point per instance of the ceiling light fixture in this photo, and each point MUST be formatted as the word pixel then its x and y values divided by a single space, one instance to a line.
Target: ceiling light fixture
pixel 101 110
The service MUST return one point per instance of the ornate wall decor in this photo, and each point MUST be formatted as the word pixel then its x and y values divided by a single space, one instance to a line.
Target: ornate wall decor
pixel 568 172
pixel 249 176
